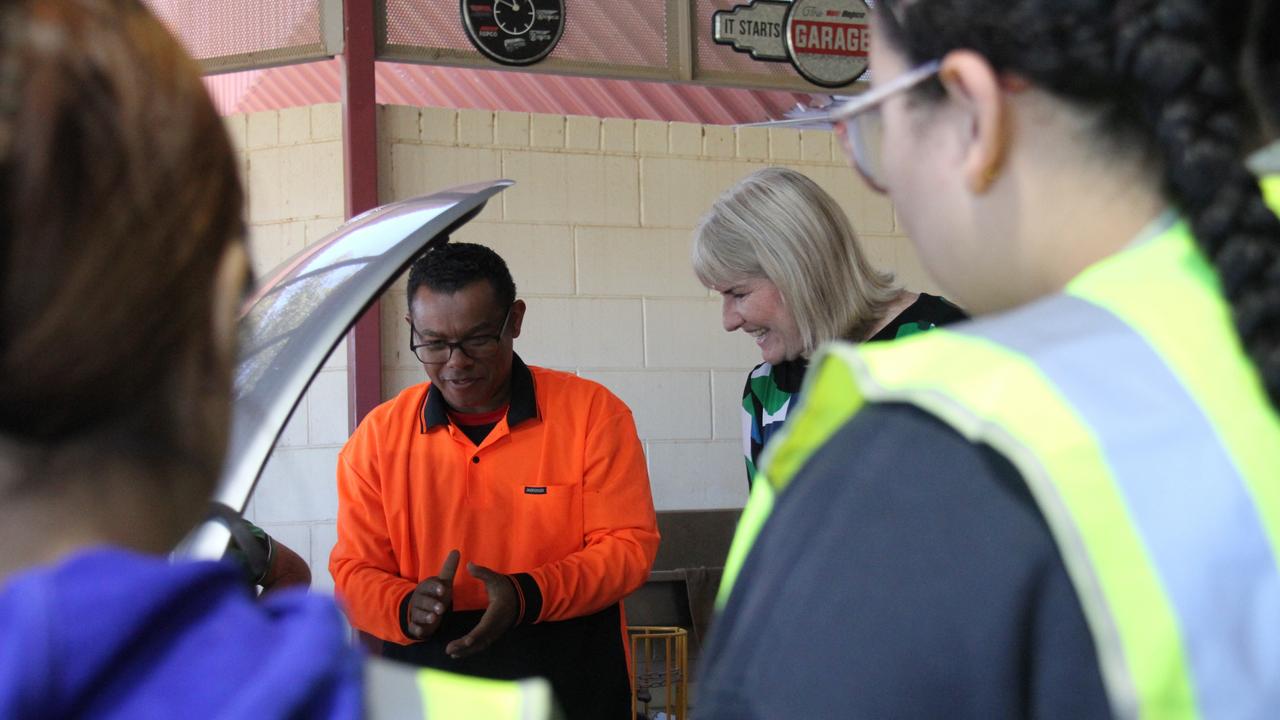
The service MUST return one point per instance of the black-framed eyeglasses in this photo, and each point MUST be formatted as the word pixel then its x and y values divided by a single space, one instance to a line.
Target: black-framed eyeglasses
pixel 476 347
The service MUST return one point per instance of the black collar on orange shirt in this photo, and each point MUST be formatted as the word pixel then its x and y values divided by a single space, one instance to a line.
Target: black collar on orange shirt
pixel 524 404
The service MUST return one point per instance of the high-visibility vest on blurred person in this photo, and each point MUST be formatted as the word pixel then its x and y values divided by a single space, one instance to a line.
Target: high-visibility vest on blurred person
pixel 1129 407
pixel 394 690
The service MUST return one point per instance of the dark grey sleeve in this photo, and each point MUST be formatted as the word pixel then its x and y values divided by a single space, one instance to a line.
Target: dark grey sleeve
pixel 905 573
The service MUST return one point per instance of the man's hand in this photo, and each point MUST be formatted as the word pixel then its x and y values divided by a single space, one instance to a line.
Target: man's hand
pixel 287 570
pixel 431 599
pixel 497 618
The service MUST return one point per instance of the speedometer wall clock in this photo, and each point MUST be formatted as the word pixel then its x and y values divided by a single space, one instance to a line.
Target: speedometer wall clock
pixel 514 32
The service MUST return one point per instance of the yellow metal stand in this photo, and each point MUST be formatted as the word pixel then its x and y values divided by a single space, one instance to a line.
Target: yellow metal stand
pixel 659 660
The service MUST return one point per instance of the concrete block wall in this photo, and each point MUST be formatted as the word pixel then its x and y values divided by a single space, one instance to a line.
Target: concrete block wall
pixel 597 232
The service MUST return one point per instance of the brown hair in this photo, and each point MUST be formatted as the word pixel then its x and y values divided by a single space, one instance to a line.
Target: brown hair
pixel 119 196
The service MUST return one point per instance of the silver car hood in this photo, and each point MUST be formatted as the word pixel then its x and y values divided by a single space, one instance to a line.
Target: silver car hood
pixel 301 311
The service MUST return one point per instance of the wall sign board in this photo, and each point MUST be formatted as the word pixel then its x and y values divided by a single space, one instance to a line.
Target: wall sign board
pixel 826 41
pixel 756 29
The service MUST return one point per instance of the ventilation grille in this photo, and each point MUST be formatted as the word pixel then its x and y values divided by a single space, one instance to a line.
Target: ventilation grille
pixel 228 35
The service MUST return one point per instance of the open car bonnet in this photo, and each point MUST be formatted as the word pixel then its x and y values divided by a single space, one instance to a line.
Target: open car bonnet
pixel 301 311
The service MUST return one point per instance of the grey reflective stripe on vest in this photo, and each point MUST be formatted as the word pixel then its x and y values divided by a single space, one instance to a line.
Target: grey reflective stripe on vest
pixel 540 703
pixel 391 691
pixel 1183 492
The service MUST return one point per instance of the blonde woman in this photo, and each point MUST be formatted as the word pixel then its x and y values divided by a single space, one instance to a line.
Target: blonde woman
pixel 784 257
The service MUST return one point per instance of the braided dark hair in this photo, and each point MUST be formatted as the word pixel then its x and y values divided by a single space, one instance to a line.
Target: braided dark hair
pixel 1161 73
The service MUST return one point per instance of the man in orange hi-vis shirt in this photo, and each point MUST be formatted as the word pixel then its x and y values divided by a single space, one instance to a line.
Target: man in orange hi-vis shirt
pixel 490 521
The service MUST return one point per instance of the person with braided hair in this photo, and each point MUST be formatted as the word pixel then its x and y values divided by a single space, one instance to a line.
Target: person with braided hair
pixel 1090 523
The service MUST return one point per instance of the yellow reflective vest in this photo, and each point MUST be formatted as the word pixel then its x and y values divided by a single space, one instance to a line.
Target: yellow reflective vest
pixel 398 691
pixel 1128 406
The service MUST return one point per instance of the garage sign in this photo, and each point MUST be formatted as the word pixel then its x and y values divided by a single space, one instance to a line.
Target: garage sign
pixel 826 41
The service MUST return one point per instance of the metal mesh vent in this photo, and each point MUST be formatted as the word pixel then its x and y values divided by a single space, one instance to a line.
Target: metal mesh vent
pixel 601 37
pixel 227 35
pixel 597 32
pixel 625 39
pixel 424 24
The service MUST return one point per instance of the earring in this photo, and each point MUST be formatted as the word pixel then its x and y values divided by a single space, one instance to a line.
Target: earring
pixel 990 175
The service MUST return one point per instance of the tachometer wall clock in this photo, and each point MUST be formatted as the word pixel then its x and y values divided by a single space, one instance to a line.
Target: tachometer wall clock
pixel 514 32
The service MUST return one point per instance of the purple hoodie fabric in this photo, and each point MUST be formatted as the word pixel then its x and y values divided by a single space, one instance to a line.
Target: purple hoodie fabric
pixel 109 633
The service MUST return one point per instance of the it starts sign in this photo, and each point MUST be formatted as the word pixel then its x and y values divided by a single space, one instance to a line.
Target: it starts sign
pixel 825 40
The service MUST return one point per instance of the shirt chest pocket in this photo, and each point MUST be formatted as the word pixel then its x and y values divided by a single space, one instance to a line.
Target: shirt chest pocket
pixel 548 517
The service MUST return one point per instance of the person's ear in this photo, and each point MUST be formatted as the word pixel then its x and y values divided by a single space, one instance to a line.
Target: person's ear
pixel 228 293
pixel 974 89
pixel 517 318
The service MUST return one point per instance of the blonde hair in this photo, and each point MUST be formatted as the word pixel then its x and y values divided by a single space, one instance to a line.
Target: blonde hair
pixel 778 224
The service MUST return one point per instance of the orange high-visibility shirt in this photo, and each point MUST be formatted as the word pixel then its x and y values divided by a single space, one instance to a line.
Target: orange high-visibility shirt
pixel 557 496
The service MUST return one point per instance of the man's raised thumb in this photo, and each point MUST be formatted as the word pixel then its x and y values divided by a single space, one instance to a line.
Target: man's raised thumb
pixel 450 567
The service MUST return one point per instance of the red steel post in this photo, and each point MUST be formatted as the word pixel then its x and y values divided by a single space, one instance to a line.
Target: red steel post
pixel 360 160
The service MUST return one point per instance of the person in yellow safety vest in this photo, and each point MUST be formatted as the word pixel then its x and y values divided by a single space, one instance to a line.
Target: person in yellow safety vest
pixel 122 263
pixel 1070 506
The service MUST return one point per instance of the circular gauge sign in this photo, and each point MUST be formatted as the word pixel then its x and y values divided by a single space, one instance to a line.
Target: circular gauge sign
pixel 828 40
pixel 514 32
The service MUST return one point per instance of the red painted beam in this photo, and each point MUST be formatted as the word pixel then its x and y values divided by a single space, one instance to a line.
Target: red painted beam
pixel 360 160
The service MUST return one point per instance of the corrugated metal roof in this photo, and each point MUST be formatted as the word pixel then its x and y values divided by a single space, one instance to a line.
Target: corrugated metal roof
pixel 436 86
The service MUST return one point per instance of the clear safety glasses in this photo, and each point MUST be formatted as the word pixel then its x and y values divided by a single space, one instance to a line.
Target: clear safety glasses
pixel 858 122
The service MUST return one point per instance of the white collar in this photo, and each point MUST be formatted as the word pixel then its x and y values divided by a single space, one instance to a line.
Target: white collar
pixel 1154 228
pixel 1266 161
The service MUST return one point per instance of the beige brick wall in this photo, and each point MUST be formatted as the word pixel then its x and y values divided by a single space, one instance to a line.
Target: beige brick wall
pixel 597 233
